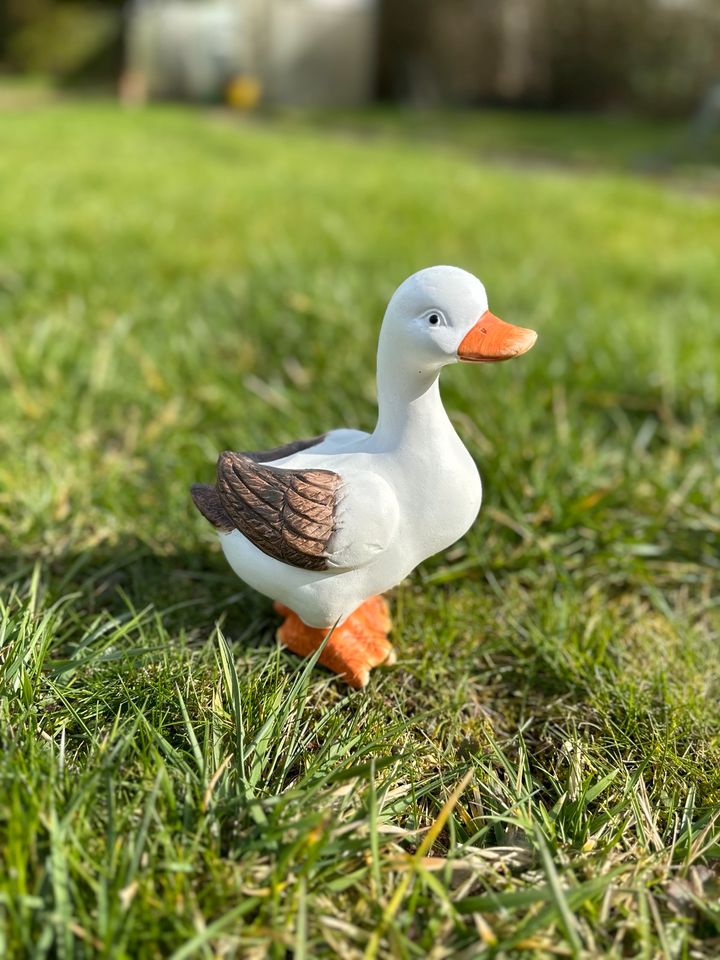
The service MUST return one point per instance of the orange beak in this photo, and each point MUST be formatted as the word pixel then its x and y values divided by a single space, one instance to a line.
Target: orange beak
pixel 492 340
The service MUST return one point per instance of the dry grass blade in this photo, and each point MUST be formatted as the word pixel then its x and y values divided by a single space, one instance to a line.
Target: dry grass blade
pixel 413 863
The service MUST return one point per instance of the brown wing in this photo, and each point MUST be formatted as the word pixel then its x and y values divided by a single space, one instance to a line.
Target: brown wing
pixel 206 497
pixel 288 514
pixel 277 453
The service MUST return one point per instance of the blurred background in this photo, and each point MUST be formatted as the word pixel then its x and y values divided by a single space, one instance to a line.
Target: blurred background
pixel 655 57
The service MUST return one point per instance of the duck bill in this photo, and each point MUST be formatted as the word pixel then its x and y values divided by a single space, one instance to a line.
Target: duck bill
pixel 492 340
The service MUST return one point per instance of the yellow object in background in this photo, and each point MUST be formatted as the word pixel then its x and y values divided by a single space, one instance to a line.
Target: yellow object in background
pixel 243 92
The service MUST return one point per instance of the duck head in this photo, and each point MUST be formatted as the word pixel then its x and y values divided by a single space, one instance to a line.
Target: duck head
pixel 440 315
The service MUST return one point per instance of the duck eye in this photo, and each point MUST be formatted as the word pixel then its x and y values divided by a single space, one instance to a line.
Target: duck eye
pixel 434 319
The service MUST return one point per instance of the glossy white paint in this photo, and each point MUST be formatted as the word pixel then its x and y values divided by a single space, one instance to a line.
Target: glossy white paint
pixel 410 488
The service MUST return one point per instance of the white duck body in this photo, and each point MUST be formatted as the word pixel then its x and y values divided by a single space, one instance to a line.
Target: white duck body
pixel 407 529
pixel 409 489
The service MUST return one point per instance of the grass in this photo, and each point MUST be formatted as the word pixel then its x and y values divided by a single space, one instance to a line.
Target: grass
pixel 540 774
pixel 642 145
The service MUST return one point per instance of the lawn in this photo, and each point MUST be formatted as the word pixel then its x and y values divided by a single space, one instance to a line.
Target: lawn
pixel 649 146
pixel 540 773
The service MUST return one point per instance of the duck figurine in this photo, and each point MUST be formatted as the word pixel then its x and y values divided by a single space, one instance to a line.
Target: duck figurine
pixel 325 526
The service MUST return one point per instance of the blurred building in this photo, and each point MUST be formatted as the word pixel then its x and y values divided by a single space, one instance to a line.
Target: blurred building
pixel 649 56
pixel 302 52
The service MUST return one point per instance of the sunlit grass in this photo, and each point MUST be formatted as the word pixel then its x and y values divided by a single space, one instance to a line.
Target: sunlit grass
pixel 171 784
pixel 644 145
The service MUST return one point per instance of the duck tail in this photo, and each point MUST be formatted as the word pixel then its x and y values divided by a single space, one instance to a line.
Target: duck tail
pixel 207 500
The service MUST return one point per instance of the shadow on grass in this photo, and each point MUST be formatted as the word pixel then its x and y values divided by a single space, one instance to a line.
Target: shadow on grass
pixel 191 592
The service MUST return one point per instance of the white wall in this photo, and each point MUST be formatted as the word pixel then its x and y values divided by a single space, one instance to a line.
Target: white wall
pixel 309 52
pixel 321 51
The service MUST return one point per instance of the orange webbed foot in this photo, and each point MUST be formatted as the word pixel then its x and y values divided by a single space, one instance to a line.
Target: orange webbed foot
pixel 353 648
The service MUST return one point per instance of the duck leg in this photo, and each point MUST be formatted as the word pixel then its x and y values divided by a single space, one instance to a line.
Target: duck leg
pixel 354 648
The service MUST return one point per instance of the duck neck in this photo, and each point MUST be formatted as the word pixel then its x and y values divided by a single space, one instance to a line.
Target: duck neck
pixel 410 409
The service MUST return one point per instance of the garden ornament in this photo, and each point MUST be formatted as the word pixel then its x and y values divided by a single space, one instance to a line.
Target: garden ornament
pixel 325 526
